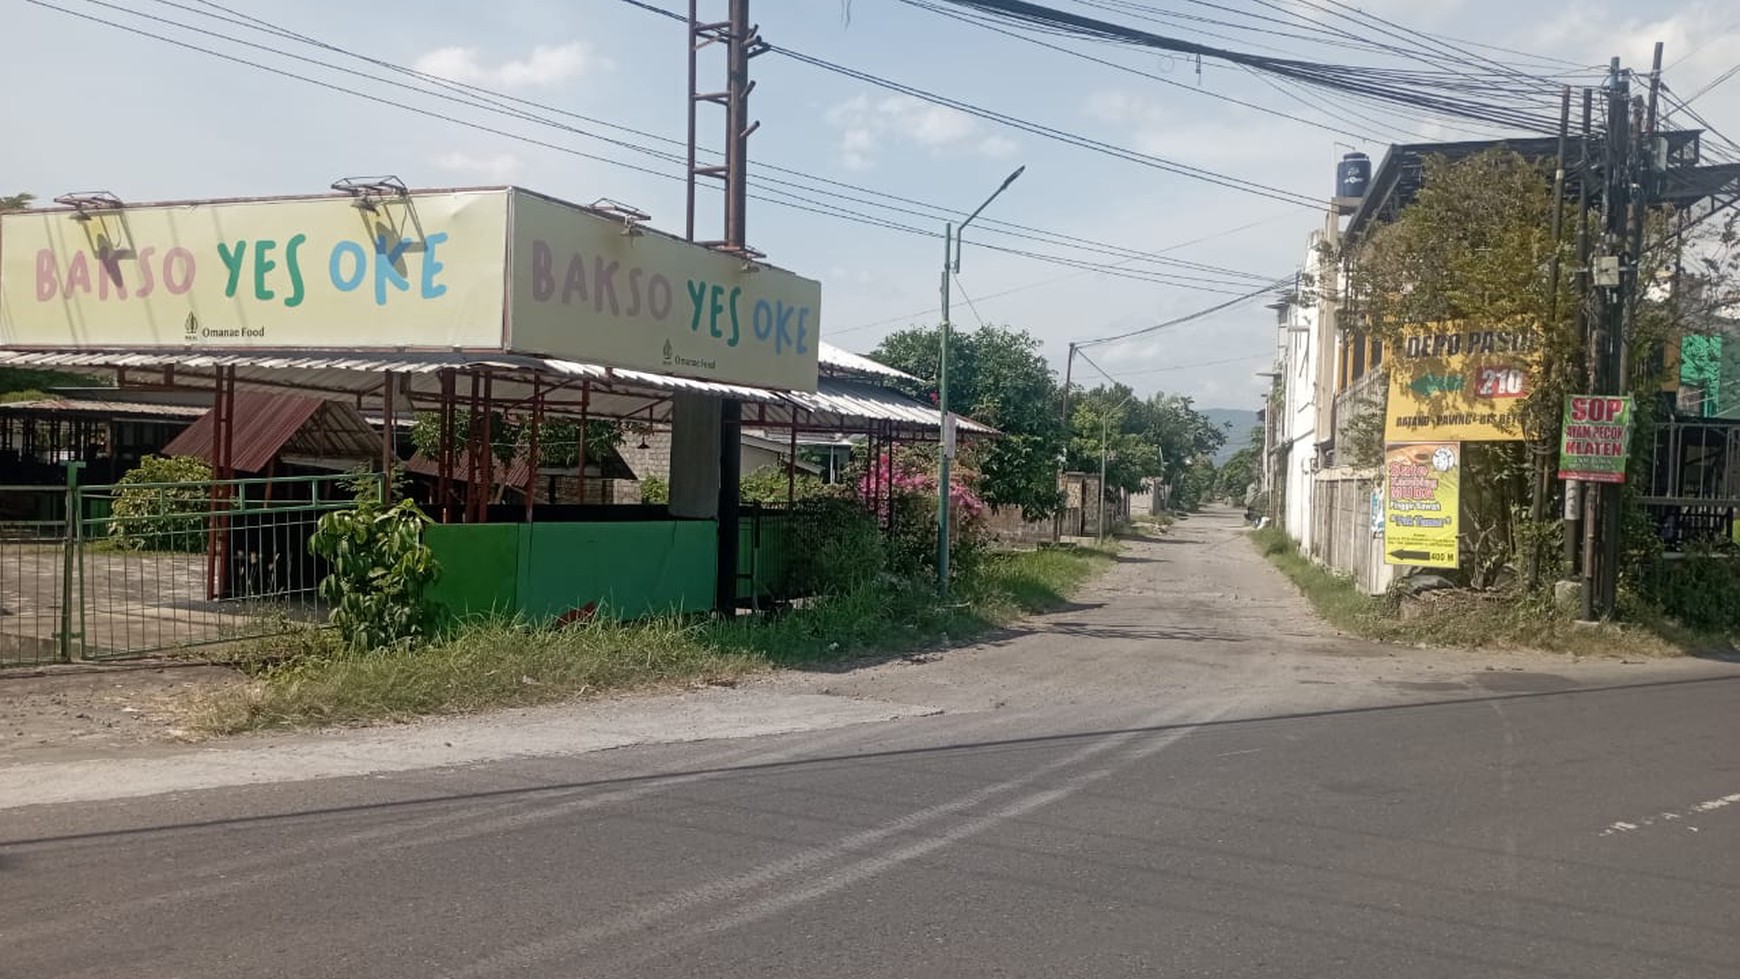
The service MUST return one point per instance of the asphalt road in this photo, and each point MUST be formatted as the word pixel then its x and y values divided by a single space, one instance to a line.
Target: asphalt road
pixel 1185 780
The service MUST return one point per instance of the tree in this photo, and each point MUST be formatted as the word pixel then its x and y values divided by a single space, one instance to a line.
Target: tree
pixel 1233 480
pixel 997 376
pixel 16 202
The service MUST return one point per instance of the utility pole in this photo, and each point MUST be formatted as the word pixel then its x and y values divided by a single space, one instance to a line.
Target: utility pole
pixel 742 41
pixel 1626 199
pixel 1574 489
pixel 946 424
pixel 1540 473
pixel 1068 377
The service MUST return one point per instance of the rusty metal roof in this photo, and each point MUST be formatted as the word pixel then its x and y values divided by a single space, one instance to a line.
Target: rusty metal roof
pixel 268 425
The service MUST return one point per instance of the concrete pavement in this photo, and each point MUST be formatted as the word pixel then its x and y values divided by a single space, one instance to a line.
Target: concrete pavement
pixel 1184 775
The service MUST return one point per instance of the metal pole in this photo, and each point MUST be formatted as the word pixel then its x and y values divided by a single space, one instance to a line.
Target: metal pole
pixel 1541 470
pixel 389 457
pixel 1574 489
pixel 1100 506
pixel 694 100
pixel 73 528
pixel 942 372
pixel 1068 374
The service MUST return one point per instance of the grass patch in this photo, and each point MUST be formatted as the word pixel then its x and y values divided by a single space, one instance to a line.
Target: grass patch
pixel 305 679
pixel 1470 620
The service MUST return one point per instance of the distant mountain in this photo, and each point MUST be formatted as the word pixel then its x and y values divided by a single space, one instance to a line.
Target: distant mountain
pixel 1238 423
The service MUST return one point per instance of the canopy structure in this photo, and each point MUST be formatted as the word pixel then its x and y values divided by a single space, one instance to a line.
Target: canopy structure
pixel 841 404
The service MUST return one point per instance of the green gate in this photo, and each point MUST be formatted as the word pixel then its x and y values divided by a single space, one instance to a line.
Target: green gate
pixel 37 624
pixel 155 567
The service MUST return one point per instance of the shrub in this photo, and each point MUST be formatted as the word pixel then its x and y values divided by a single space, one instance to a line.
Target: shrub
pixel 162 505
pixel 1701 589
pixel 655 490
pixel 906 483
pixel 381 570
pixel 837 548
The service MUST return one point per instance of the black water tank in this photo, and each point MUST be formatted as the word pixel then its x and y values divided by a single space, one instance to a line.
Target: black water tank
pixel 1352 176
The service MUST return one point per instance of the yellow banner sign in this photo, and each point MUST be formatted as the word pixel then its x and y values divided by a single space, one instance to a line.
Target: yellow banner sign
pixel 1456 384
pixel 420 272
pixel 431 271
pixel 585 287
pixel 1422 499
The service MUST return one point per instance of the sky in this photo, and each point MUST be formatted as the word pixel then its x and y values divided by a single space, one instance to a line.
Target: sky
pixel 99 106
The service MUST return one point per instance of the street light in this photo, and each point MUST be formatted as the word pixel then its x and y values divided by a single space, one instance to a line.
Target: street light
pixel 1105 422
pixel 951 266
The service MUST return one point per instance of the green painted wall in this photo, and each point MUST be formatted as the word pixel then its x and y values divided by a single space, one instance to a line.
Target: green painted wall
pixel 479 568
pixel 630 569
pixel 541 570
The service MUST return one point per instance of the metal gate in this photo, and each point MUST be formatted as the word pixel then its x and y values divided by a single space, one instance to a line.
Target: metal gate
pixel 139 569
pixel 37 622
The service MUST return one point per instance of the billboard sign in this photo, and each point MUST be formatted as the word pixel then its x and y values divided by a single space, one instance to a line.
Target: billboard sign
pixel 585 287
pixel 485 270
pixel 419 272
pixel 1455 384
pixel 1422 493
pixel 1596 438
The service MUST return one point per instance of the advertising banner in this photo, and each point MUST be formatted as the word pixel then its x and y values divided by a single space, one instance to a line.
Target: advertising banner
pixel 1422 494
pixel 588 288
pixel 486 270
pixel 426 271
pixel 1596 438
pixel 1456 384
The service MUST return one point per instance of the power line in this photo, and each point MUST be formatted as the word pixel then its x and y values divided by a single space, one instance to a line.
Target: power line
pixel 1437 91
pixel 1195 366
pixel 909 317
pixel 1188 317
pixel 932 211
pixel 770 195
pixel 1024 125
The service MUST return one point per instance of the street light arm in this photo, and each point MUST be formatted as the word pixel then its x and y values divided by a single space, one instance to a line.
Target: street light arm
pixel 956 264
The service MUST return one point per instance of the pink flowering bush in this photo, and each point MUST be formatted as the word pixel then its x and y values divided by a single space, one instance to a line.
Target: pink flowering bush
pixel 900 487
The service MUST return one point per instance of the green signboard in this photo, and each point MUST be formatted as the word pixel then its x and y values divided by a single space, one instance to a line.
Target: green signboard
pixel 1597 435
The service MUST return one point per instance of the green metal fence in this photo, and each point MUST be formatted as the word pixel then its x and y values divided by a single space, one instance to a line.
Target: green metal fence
pixel 152 567
pixel 36 553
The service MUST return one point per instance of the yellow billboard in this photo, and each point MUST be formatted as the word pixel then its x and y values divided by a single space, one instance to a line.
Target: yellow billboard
pixel 425 271
pixel 587 287
pixel 1454 383
pixel 1422 504
pixel 484 270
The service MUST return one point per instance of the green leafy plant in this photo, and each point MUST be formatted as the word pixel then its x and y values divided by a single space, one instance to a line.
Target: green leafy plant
pixel 162 505
pixel 768 485
pixel 380 572
pixel 654 489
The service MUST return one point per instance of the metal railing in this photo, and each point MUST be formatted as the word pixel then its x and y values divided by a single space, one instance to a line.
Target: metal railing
pixel 35 556
pixel 152 567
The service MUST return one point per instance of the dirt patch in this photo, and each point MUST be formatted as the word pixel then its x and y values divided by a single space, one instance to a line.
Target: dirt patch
pixel 96 708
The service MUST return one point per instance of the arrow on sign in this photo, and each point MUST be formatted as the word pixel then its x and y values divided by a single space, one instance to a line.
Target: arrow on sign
pixel 1411 555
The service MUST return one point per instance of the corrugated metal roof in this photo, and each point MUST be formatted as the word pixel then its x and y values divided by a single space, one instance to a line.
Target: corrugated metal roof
pixel 613 393
pixel 111 409
pixel 854 399
pixel 269 424
pixel 833 357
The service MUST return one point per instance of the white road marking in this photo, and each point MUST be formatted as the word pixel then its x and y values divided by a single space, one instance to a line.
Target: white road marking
pixel 1669 817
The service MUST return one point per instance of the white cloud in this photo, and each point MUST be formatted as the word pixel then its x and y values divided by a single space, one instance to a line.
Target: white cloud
pixel 544 67
pixel 869 126
pixel 499 168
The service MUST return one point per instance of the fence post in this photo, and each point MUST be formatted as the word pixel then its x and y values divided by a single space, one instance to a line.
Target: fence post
pixel 71 521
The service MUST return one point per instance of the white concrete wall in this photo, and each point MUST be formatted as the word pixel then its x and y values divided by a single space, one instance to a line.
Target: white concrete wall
pixel 1302 340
